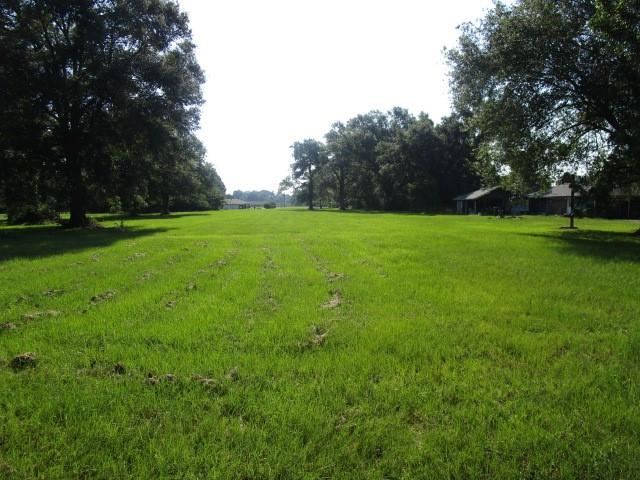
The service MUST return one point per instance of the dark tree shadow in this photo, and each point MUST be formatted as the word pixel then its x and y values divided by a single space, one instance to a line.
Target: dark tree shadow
pixel 49 240
pixel 111 217
pixel 613 246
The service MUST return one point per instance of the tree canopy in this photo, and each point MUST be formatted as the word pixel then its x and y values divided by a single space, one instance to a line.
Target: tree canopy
pixel 99 100
pixel 390 161
pixel 552 85
pixel 308 156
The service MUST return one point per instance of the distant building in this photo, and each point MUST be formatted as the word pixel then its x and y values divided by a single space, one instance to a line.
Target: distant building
pixel 619 203
pixel 556 201
pixel 235 204
pixel 494 200
pixel 622 203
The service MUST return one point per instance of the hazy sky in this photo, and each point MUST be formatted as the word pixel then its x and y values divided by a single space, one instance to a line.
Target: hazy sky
pixel 284 70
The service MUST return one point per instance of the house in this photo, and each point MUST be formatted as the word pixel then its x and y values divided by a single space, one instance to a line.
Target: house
pixel 621 203
pixel 556 201
pixel 235 204
pixel 492 200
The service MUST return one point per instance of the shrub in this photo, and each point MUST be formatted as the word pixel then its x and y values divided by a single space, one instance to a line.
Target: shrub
pixel 114 204
pixel 32 213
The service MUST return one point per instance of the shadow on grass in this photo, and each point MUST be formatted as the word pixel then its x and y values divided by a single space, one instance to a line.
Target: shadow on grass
pixel 614 246
pixel 45 241
pixel 112 217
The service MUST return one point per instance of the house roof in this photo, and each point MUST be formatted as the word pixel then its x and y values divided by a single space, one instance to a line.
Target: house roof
pixel 477 193
pixel 235 201
pixel 558 191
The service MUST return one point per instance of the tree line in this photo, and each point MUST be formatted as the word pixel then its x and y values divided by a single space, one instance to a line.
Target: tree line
pixel 254 195
pixel 542 90
pixel 550 87
pixel 385 161
pixel 99 101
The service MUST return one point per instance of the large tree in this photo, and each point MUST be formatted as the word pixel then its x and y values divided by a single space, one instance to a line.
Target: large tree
pixel 424 166
pixel 340 160
pixel 364 133
pixel 83 82
pixel 308 156
pixel 285 185
pixel 396 161
pixel 548 85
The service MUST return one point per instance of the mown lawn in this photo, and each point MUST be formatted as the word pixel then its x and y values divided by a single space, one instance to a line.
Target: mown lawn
pixel 321 345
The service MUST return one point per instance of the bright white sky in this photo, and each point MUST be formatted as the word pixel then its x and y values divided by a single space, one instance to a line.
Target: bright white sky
pixel 284 70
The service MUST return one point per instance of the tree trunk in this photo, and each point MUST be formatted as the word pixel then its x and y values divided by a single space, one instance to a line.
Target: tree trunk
pixel 310 190
pixel 78 208
pixel 572 213
pixel 341 192
pixel 77 193
pixel 165 204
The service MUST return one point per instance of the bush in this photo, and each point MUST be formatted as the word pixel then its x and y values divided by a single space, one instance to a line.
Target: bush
pixel 136 204
pixel 114 204
pixel 269 205
pixel 32 213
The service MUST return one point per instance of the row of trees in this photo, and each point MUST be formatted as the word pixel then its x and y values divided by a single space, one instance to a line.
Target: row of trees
pixel 545 86
pixel 390 161
pixel 541 89
pixel 99 100
pixel 254 195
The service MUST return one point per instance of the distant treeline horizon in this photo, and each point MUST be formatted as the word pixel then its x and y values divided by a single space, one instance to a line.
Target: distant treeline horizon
pixel 99 106
pixel 385 161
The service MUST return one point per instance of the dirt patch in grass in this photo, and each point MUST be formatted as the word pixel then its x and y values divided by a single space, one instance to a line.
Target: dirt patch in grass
pixel 53 292
pixel 268 299
pixel 215 386
pixel 103 297
pixel 6 469
pixel 334 276
pixel 203 379
pixel 28 317
pixel 334 302
pixel 97 369
pixel 119 369
pixel 233 374
pixel 153 379
pixel 8 326
pixel 24 299
pixel 170 304
pixel 24 360
pixel 273 303
pixel 318 338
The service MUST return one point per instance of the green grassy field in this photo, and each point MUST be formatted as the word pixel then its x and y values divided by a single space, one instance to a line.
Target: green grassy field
pixel 294 344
